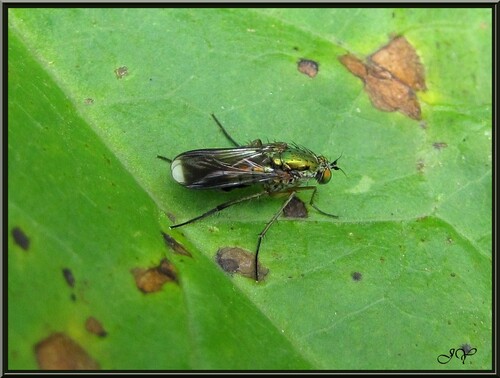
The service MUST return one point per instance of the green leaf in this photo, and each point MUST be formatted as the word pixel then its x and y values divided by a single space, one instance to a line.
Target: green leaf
pixel 86 188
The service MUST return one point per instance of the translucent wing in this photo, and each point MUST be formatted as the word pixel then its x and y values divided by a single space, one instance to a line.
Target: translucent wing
pixel 226 168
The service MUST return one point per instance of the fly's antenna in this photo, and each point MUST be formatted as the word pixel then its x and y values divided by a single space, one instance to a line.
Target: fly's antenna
pixel 335 167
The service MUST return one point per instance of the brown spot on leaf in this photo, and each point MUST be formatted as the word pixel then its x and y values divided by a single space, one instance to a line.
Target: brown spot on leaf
pixel 357 276
pixel 295 209
pixel 355 65
pixel 171 217
pixel 121 72
pixel 237 260
pixel 401 60
pixel 439 145
pixel 389 95
pixel 308 67
pixel 152 279
pixel 60 352
pixel 94 326
pixel 68 276
pixel 175 245
pixel 420 166
pixel 20 238
pixel 391 76
pixel 88 101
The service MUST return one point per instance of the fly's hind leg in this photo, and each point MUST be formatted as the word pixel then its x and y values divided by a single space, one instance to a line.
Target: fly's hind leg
pixel 221 207
pixel 164 158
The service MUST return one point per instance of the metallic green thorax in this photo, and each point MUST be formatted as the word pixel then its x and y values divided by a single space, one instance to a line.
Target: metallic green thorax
pixel 296 159
pixel 303 164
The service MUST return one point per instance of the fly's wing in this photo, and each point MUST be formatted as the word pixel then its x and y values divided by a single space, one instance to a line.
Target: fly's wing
pixel 225 168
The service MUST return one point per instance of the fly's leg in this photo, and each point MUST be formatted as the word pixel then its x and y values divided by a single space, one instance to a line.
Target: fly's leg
pixel 315 189
pixel 164 158
pixel 279 212
pixel 264 231
pixel 220 207
pixel 224 131
pixel 255 143
pixel 311 202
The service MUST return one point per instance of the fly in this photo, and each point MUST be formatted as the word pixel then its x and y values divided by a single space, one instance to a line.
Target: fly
pixel 277 167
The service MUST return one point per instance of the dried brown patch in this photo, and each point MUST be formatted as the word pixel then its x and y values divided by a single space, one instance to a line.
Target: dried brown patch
pixel 420 165
pixel 237 260
pixel 355 65
pixel 121 72
pixel 171 217
pixel 308 67
pixel 175 245
pixel 94 326
pixel 391 75
pixel 60 352
pixel 439 145
pixel 295 209
pixel 152 279
pixel 401 60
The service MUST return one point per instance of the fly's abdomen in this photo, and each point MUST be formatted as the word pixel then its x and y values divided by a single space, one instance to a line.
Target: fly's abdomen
pixel 194 172
pixel 177 169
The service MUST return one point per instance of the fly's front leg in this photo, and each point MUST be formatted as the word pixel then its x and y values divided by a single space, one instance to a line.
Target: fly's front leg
pixel 264 231
pixel 315 189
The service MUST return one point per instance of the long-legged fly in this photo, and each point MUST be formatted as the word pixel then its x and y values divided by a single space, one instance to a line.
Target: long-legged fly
pixel 277 167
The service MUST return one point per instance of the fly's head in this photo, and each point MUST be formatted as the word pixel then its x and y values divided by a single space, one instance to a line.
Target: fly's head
pixel 324 173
